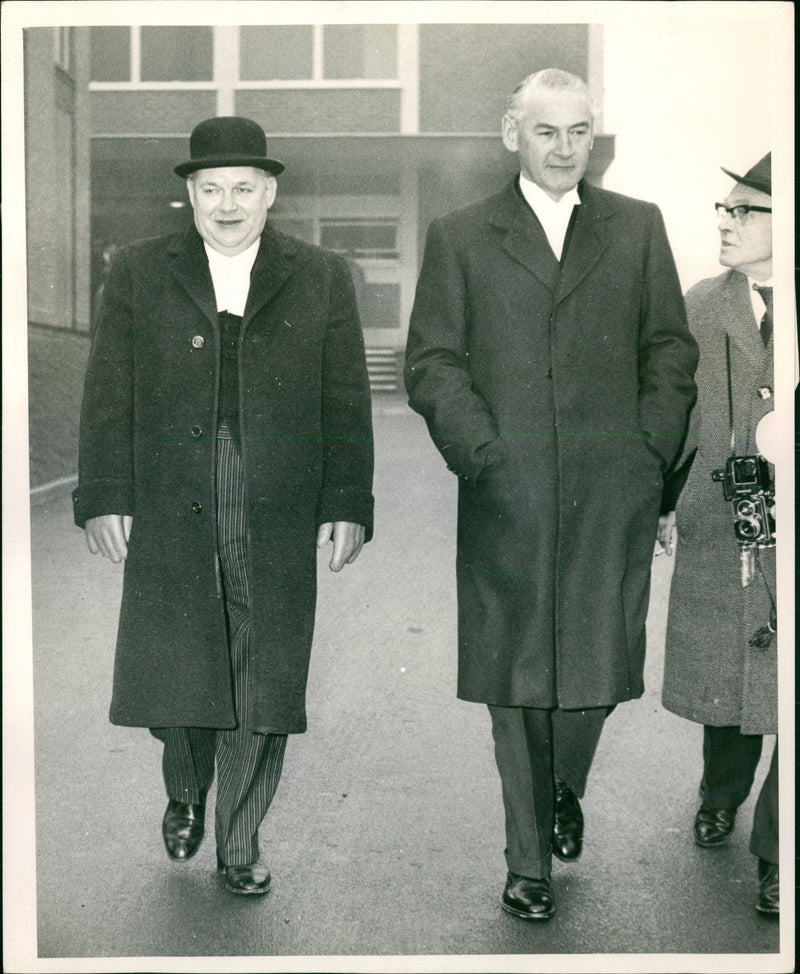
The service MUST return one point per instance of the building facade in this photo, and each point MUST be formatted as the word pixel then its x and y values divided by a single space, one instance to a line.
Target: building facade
pixel 382 127
pixel 58 241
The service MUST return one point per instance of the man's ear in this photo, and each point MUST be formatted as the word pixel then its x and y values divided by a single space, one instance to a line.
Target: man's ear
pixel 509 130
pixel 272 190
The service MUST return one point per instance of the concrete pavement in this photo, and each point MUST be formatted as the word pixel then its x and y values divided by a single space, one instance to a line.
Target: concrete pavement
pixel 386 835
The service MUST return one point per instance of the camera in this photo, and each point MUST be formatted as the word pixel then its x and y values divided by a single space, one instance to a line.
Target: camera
pixel 746 481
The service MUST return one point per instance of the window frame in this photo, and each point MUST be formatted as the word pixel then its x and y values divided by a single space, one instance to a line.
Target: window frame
pixel 135 70
pixel 231 70
pixel 318 79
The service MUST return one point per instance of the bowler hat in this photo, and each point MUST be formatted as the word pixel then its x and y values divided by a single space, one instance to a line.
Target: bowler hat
pixel 228 140
pixel 759 177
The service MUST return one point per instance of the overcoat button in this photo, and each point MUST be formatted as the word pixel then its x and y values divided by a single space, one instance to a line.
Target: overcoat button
pixel 197 432
pixel 197 507
pixel 198 341
pixel 765 392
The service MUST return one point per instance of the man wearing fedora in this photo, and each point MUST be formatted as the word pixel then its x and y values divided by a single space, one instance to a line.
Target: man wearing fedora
pixel 720 666
pixel 549 354
pixel 225 436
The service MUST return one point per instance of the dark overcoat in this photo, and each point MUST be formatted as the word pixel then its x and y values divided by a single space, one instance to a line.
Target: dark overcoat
pixel 711 674
pixel 558 397
pixel 148 449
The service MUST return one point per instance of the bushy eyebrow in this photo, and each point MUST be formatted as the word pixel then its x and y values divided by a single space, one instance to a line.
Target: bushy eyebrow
pixel 734 200
pixel 547 125
pixel 212 182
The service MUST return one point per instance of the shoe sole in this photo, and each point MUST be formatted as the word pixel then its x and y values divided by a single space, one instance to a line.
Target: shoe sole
pixel 527 916
pixel 242 892
pixel 182 858
pixel 248 892
pixel 713 843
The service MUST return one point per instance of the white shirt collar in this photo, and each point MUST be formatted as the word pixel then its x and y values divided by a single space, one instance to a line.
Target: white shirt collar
pixel 539 200
pixel 246 257
pixel 553 216
pixel 231 276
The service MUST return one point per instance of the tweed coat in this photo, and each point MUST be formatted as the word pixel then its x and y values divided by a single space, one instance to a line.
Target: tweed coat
pixel 148 448
pixel 558 397
pixel 711 674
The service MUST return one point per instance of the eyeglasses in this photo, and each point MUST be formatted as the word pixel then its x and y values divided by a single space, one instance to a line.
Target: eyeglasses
pixel 740 212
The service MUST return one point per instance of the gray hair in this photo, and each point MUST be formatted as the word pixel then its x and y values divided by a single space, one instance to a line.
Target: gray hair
pixel 549 79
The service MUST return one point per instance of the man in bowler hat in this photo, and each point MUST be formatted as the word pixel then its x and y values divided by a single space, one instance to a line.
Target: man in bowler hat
pixel 549 354
pixel 721 656
pixel 225 436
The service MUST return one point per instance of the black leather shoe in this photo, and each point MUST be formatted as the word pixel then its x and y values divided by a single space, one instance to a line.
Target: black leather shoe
pixel 183 829
pixel 568 824
pixel 251 880
pixel 713 826
pixel 769 888
pixel 531 899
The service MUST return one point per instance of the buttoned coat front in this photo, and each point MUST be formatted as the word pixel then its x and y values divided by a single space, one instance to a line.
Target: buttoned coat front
pixel 711 673
pixel 148 449
pixel 558 396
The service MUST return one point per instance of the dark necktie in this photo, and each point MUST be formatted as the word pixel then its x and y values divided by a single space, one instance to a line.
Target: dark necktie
pixel 766 321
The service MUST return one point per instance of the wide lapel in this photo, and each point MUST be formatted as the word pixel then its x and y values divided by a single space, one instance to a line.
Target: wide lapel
pixel 272 266
pixel 189 266
pixel 587 242
pixel 740 322
pixel 525 239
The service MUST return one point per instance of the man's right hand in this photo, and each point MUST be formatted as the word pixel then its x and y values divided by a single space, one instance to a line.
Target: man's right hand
pixel 108 535
pixel 666 531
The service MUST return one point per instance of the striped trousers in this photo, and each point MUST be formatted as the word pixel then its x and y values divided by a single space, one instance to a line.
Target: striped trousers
pixel 248 763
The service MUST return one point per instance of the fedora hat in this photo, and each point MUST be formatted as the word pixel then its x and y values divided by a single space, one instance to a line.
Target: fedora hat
pixel 228 140
pixel 759 177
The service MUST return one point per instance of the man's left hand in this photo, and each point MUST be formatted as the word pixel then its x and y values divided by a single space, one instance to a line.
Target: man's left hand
pixel 348 540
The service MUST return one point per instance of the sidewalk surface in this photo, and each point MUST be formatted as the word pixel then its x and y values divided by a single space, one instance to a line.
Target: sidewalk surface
pixel 386 835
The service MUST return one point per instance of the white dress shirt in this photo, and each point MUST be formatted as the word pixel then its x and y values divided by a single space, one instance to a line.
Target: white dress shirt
pixel 554 217
pixel 231 277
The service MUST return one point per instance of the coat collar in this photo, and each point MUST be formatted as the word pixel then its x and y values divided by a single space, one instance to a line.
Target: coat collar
pixel 740 322
pixel 527 243
pixel 189 265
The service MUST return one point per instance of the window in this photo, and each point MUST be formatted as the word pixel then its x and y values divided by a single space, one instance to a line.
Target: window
pixel 370 247
pixel 152 54
pixel 362 238
pixel 360 51
pixel 268 54
pixel 177 54
pixel 280 53
pixel 341 52
pixel 110 53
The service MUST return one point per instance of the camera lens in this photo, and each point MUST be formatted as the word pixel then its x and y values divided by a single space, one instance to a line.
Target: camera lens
pixel 747 529
pixel 745 508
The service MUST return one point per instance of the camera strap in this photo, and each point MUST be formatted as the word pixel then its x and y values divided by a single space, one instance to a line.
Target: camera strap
pixel 730 392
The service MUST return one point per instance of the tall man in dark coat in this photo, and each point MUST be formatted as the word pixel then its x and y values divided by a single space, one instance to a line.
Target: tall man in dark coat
pixel 721 656
pixel 225 435
pixel 549 354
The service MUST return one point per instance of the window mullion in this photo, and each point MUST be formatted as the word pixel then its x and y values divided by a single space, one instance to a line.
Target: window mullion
pixel 316 53
pixel 136 55
pixel 226 67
